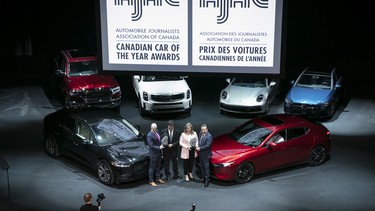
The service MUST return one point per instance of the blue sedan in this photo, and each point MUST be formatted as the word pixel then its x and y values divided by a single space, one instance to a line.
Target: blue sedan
pixel 316 92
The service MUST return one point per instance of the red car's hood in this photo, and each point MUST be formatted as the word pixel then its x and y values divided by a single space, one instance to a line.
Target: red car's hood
pixel 225 146
pixel 92 81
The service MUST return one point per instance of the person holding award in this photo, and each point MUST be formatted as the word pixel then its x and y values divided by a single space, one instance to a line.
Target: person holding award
pixel 188 142
pixel 204 151
pixel 170 140
pixel 155 153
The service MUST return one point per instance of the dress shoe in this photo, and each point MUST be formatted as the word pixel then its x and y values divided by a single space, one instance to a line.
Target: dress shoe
pixel 186 178
pixel 176 176
pixel 202 180
pixel 153 184
pixel 206 184
pixel 160 181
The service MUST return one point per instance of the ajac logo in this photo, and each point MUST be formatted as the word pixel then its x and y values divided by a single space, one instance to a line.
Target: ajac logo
pixel 139 4
pixel 225 5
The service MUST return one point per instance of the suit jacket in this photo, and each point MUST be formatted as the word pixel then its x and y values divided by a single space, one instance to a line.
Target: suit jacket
pixel 205 145
pixel 174 141
pixel 185 144
pixel 154 144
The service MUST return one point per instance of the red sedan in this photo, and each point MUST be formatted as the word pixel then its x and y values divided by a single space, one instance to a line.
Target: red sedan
pixel 267 143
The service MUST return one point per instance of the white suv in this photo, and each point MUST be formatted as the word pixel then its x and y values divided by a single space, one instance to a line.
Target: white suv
pixel 162 94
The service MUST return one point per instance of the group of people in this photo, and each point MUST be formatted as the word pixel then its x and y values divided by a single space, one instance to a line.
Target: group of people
pixel 170 143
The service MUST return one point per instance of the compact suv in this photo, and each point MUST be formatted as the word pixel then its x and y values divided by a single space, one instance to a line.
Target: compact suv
pixel 316 92
pixel 99 138
pixel 76 76
pixel 162 94
pixel 248 95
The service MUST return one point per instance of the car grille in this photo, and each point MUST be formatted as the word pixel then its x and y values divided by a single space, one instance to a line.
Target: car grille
pixel 92 96
pixel 297 107
pixel 241 108
pixel 168 98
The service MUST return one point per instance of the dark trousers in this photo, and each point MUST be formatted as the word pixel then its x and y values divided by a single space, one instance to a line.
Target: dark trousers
pixel 154 169
pixel 189 163
pixel 205 168
pixel 169 154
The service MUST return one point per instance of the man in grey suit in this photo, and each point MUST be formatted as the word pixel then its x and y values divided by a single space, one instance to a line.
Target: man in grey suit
pixel 204 151
pixel 155 153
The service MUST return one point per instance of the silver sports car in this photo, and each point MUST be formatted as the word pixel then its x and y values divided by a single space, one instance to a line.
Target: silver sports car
pixel 248 95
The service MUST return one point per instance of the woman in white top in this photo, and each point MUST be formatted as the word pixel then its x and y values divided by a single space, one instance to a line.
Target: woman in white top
pixel 188 142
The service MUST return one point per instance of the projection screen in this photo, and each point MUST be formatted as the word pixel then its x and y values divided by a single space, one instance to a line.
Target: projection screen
pixel 190 36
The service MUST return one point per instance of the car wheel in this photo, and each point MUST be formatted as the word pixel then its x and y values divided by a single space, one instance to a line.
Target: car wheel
pixel 51 146
pixel 331 111
pixel 317 156
pixel 105 172
pixel 268 106
pixel 140 109
pixel 244 173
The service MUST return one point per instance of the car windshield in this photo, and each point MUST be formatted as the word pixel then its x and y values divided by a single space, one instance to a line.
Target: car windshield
pixel 315 81
pixel 113 131
pixel 250 134
pixel 249 82
pixel 83 68
pixel 162 78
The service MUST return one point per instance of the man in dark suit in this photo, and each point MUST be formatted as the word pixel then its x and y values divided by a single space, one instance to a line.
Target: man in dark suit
pixel 171 149
pixel 155 147
pixel 204 150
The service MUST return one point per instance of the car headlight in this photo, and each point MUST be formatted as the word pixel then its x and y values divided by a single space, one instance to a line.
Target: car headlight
pixel 260 98
pixel 222 165
pixel 325 105
pixel 120 164
pixel 145 96
pixel 224 95
pixel 75 92
pixel 287 101
pixel 115 89
pixel 188 94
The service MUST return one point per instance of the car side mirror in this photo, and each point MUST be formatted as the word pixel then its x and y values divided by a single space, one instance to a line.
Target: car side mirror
pixel 227 80
pixel 273 83
pixel 136 77
pixel 292 82
pixel 271 145
pixel 338 85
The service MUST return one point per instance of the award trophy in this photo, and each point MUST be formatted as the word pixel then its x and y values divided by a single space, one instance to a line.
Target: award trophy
pixel 193 142
pixel 164 141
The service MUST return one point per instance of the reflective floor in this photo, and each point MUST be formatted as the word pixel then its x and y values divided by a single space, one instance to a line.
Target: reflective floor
pixel 39 182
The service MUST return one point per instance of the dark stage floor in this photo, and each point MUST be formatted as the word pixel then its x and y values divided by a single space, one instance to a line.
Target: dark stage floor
pixel 39 182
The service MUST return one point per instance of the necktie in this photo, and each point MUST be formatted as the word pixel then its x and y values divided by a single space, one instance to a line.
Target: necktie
pixel 170 135
pixel 202 138
pixel 157 136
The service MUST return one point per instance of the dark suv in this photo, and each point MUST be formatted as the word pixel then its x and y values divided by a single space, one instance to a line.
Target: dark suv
pixel 76 76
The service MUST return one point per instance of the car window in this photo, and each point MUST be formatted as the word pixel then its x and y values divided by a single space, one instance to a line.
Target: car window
pixel 250 134
pixel 296 132
pixel 161 78
pixel 111 131
pixel 70 123
pixel 278 137
pixel 249 82
pixel 84 131
pixel 83 68
pixel 314 81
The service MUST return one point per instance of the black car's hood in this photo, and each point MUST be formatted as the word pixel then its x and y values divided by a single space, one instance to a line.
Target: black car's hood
pixel 129 151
